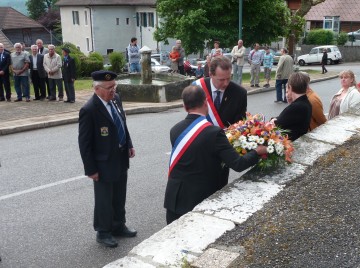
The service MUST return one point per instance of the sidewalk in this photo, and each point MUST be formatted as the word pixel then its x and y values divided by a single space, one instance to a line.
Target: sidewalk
pixel 22 116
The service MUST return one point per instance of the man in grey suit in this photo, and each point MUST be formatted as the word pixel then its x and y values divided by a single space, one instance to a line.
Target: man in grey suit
pixel 105 148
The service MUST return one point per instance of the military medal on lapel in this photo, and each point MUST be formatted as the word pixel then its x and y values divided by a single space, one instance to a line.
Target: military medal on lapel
pixel 104 131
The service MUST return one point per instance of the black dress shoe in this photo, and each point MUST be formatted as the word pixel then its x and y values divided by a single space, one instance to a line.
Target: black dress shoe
pixel 107 241
pixel 257 85
pixel 36 98
pixel 125 232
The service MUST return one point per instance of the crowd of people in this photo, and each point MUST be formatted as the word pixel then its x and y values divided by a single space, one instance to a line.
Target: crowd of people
pixel 42 67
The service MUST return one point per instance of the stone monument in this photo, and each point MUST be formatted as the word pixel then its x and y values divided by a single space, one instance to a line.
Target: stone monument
pixel 146 75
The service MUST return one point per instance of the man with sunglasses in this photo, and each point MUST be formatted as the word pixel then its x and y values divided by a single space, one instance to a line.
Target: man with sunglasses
pixel 105 148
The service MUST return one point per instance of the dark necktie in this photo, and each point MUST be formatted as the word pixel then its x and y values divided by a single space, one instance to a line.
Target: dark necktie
pixel 119 126
pixel 217 100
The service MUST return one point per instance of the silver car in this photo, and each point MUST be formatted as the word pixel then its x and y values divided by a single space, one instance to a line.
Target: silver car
pixel 156 67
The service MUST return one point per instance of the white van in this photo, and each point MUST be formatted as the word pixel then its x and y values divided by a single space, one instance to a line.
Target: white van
pixel 315 55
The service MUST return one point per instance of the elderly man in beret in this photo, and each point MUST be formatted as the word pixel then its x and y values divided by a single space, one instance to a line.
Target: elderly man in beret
pixel 105 148
pixel 69 75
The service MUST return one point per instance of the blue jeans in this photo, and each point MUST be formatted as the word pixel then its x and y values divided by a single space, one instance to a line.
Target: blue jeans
pixel 135 68
pixel 22 82
pixel 280 83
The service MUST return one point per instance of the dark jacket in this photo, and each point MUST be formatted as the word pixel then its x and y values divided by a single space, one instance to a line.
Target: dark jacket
pixel 324 58
pixel 39 65
pixel 68 69
pixel 5 62
pixel 98 141
pixel 234 103
pixel 197 173
pixel 296 117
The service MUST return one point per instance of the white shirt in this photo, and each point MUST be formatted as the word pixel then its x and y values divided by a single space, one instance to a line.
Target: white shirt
pixel 34 57
pixel 213 91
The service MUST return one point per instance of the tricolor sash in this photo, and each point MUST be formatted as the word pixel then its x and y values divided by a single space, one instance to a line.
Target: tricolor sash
pixel 185 139
pixel 213 115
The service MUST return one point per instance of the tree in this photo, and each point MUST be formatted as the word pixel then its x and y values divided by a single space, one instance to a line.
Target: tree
pixel 298 22
pixel 38 8
pixel 197 22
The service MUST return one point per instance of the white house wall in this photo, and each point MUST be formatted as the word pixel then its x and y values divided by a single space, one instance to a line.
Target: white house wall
pixel 76 34
pixel 108 35
pixel 105 35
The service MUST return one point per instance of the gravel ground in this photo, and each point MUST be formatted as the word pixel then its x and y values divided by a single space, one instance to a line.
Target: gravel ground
pixel 313 222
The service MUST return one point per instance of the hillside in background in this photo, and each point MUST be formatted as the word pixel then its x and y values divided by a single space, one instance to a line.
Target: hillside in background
pixel 19 5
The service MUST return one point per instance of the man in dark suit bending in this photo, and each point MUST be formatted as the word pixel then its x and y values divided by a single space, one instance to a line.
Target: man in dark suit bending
pixel 105 148
pixel 227 100
pixel 199 149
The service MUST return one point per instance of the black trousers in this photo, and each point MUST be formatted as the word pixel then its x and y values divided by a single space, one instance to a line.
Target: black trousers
pixel 5 83
pixel 38 84
pixel 323 67
pixel 109 212
pixel 181 69
pixel 171 216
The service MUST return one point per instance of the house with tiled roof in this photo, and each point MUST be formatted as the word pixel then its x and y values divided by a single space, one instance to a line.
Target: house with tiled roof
pixel 108 25
pixel 337 15
pixel 16 27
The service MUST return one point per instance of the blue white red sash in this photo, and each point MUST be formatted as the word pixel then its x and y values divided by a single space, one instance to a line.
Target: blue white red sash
pixel 185 139
pixel 213 115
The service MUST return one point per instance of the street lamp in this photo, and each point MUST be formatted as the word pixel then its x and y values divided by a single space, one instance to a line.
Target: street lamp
pixel 240 18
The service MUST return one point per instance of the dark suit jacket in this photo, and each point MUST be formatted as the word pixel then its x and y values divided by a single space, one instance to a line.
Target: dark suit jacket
pixel 296 117
pixel 68 69
pixel 234 103
pixel 5 62
pixel 196 175
pixel 98 141
pixel 39 65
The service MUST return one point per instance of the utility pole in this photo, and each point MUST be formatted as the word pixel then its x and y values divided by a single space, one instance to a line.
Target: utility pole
pixel 240 18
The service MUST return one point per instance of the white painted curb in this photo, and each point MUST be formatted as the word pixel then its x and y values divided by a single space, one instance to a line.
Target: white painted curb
pixel 188 237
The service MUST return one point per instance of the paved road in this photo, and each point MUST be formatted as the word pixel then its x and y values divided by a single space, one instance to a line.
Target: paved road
pixel 46 204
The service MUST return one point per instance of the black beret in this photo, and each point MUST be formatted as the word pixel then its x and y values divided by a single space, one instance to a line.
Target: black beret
pixel 103 75
pixel 66 50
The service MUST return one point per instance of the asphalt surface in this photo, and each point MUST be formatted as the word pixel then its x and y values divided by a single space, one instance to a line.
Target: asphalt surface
pixel 21 116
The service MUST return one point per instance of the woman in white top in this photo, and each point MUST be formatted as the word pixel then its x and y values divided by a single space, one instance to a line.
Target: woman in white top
pixel 347 97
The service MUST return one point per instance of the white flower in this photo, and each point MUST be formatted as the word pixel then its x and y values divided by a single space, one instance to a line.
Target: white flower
pixel 242 138
pixel 270 149
pixel 228 135
pixel 279 148
pixel 236 143
pixel 271 142
pixel 260 141
pixel 251 138
pixel 253 145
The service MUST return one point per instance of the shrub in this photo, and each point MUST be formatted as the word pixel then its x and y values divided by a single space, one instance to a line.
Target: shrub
pixel 117 61
pixel 89 65
pixel 96 56
pixel 320 37
pixel 342 38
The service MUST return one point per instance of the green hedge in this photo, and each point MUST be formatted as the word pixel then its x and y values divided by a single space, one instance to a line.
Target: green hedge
pixel 117 61
pixel 319 37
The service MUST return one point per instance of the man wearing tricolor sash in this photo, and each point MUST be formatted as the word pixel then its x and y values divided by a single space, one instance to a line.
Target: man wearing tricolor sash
pixel 199 149
pixel 227 100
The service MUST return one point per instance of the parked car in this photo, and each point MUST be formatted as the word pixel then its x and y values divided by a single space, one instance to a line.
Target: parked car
pixel 315 55
pixel 277 56
pixel 165 58
pixel 354 35
pixel 156 67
